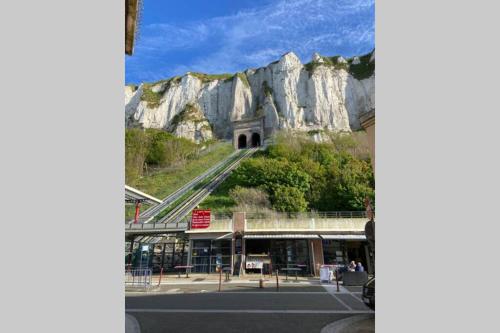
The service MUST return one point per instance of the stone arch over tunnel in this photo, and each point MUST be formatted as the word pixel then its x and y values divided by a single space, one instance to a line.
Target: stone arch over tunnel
pixel 248 133
pixel 255 142
pixel 242 141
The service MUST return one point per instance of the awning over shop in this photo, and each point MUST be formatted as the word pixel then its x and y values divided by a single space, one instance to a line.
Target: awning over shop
pixel 353 237
pixel 281 236
pixel 155 239
pixel 213 235
pixel 133 194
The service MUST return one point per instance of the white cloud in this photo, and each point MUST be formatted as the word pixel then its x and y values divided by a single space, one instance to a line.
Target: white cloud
pixel 255 37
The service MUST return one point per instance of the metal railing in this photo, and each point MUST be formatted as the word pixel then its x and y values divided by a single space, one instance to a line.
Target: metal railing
pixel 304 215
pixel 171 198
pixel 140 219
pixel 311 221
pixel 219 221
pixel 180 225
pixel 138 277
pixel 182 210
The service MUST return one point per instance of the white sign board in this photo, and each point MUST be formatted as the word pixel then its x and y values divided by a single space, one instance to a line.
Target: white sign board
pixel 145 247
pixel 254 264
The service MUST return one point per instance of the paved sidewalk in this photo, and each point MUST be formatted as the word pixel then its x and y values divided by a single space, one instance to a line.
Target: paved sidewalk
pixel 131 324
pixel 214 278
pixel 354 324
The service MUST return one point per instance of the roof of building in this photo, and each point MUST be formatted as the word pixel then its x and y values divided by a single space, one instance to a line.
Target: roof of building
pixel 132 8
pixel 133 194
pixel 367 118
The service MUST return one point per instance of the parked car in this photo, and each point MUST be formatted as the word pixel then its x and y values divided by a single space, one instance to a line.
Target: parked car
pixel 369 293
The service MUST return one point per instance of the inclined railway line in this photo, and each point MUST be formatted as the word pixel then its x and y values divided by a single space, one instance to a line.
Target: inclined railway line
pixel 150 213
pixel 182 210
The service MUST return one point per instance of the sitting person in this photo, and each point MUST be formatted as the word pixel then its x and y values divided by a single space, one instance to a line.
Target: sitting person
pixel 359 267
pixel 352 266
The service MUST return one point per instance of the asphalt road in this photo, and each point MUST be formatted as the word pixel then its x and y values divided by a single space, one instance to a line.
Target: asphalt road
pixel 200 308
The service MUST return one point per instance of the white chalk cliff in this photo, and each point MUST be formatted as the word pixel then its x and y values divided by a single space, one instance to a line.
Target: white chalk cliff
pixel 328 93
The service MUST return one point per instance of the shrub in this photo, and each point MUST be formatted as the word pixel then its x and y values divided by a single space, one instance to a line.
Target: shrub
pixel 249 197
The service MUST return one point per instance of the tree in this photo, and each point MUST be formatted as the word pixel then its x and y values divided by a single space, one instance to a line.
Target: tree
pixel 349 182
pixel 136 148
pixel 268 172
pixel 288 199
pixel 157 150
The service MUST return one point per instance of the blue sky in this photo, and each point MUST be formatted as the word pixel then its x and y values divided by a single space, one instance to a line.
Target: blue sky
pixel 228 36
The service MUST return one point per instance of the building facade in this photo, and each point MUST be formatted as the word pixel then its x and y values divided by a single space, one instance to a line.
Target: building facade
pixel 252 244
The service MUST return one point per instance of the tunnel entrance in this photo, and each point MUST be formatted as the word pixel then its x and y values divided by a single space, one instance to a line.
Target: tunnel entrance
pixel 255 140
pixel 242 141
pixel 248 132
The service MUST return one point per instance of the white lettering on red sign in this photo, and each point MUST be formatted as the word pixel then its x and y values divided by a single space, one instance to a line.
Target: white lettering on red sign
pixel 200 219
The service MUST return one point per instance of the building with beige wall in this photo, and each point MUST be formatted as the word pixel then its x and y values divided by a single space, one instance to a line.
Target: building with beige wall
pixel 367 121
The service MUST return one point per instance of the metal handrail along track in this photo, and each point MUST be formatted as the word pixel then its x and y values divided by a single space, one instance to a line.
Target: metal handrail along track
pixel 185 208
pixel 155 210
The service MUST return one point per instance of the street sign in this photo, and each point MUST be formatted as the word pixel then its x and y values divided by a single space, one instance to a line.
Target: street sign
pixel 200 219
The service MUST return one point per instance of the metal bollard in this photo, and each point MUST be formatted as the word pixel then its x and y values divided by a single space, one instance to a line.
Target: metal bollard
pixel 277 281
pixel 220 279
pixel 337 278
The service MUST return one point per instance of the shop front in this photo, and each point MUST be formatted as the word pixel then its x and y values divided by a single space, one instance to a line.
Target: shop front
pixel 280 252
pixel 256 245
pixel 157 252
pixel 205 253
pixel 342 249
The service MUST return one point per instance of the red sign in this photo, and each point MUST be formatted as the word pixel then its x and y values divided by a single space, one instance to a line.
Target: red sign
pixel 200 219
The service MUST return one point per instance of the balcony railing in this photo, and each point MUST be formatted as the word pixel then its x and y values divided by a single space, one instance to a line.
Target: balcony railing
pixel 305 215
pixel 324 221
pixel 155 226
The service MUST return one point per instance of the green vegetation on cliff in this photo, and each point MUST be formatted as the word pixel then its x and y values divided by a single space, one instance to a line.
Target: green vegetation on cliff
pixel 158 163
pixel 364 69
pixel 153 98
pixel 189 113
pixel 211 77
pixel 297 174
pixel 328 62
pixel 360 71
pixel 243 77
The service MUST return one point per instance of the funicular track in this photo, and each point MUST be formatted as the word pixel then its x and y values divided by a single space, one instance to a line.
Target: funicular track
pixel 182 210
pixel 150 213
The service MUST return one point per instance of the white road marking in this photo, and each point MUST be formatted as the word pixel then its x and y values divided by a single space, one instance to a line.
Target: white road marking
pixel 245 311
pixel 332 290
pixel 272 292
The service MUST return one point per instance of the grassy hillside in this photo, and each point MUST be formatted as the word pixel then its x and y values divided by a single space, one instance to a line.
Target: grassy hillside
pixel 162 183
